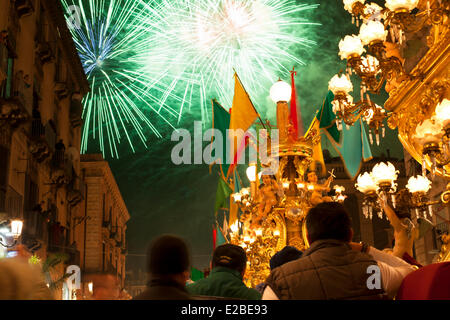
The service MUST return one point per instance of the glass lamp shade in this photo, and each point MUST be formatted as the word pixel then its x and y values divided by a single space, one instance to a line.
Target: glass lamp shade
pixel 339 84
pixel 16 228
pixel 373 12
pixel 365 183
pixel 251 173
pixel 370 65
pixel 237 197
pixel 339 189
pixel 395 5
pixel 280 91
pixel 372 31
pixel 258 232
pixel 245 191
pixel 348 4
pixel 419 184
pixel 276 233
pixel 234 227
pixel 384 173
pixel 350 45
pixel 428 132
pixel 443 112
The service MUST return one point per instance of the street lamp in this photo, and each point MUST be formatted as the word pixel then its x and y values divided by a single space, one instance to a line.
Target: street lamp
pixel 280 93
pixel 15 232
pixel 16 228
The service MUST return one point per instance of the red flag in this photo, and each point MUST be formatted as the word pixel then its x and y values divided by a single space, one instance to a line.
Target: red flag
pixel 214 237
pixel 294 116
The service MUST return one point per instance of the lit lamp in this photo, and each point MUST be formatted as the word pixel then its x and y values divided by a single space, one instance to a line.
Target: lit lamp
pixel 237 197
pixel 442 112
pixel 418 187
pixel 280 93
pixel 373 34
pixel 351 47
pixel 252 175
pixel 365 183
pixel 429 134
pixel 258 232
pixel 384 175
pixel 234 227
pixel 339 197
pixel 343 102
pixel 419 184
pixel 367 186
pixel 16 228
pixel 355 7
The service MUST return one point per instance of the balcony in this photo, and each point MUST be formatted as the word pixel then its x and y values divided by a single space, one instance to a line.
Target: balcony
pixel 76 112
pixel 23 7
pixel 76 192
pixel 61 90
pixel 43 139
pixel 15 105
pixel 35 229
pixel 62 167
pixel 44 52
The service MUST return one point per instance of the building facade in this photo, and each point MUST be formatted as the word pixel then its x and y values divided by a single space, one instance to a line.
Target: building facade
pixel 101 234
pixel 42 83
pixel 42 178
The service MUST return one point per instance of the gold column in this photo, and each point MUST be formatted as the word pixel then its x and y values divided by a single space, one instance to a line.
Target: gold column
pixel 282 119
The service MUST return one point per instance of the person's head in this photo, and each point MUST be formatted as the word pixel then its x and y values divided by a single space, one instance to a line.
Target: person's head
pixel 105 287
pixel 328 220
pixel 286 255
pixel 230 256
pixel 168 257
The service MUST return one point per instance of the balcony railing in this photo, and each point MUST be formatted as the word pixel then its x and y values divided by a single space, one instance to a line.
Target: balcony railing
pixel 43 139
pixel 77 190
pixel 76 111
pixel 24 7
pixel 34 224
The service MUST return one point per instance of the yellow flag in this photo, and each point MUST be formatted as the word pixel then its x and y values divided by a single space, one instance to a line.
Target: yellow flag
pixel 317 156
pixel 243 114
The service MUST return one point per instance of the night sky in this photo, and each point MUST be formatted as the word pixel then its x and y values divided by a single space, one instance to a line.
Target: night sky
pixel 164 198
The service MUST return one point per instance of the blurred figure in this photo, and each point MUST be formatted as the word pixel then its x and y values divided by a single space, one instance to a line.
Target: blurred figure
pixel 105 287
pixel 405 231
pixel 21 281
pixel 168 265
pixel 226 276
pixel 431 282
pixel 333 267
pixel 287 254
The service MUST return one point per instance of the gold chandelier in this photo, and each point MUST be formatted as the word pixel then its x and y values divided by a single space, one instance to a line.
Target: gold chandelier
pixel 273 212
pixel 383 62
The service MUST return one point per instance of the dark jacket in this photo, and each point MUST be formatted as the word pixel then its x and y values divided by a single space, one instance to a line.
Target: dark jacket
pixel 164 289
pixel 329 269
pixel 223 282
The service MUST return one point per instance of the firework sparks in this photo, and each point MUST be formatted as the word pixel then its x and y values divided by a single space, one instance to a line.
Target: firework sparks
pixel 146 57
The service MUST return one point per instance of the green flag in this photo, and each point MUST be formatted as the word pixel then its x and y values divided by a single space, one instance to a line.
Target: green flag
pixel 222 193
pixel 355 147
pixel 220 236
pixel 221 122
pixel 327 118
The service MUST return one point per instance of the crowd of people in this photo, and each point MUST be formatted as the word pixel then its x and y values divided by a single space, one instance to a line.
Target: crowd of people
pixel 333 267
